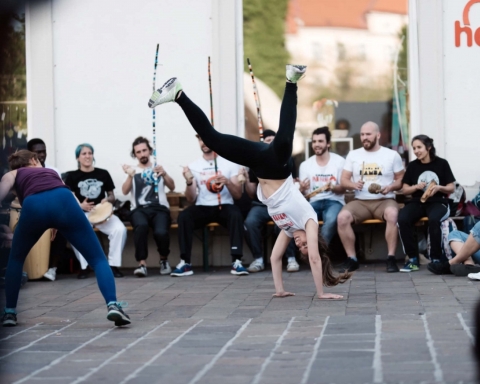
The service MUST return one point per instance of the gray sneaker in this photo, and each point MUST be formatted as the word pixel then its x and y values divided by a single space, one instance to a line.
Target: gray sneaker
pixel 256 266
pixel 464 269
pixel 141 271
pixel 165 268
pixel 167 93
pixel 9 319
pixel 295 72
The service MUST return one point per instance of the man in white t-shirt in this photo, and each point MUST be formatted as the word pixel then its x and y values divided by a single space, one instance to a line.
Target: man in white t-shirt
pixel 372 164
pixel 322 172
pixel 212 189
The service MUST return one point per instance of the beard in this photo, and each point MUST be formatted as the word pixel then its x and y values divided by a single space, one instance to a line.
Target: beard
pixel 320 151
pixel 206 150
pixel 143 160
pixel 369 144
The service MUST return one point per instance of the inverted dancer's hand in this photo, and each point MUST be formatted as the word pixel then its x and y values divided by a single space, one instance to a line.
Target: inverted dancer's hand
pixel 283 294
pixel 329 296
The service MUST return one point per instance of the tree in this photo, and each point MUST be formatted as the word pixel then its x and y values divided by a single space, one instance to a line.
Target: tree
pixel 264 40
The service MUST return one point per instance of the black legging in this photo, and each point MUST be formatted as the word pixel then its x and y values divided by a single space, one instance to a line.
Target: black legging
pixel 266 161
pixel 414 211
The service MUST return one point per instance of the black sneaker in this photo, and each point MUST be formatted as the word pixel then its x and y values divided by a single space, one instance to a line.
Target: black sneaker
pixel 116 272
pixel 116 314
pixel 349 265
pixel 83 274
pixel 392 264
pixel 9 319
pixel 439 267
pixel 464 269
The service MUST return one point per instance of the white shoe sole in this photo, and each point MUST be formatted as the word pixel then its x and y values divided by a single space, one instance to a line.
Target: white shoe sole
pixel 255 270
pixel 166 271
pixel 238 273
pixel 140 274
pixel 189 273
pixel 474 276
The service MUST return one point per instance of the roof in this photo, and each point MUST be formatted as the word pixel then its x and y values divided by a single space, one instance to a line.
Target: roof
pixel 338 13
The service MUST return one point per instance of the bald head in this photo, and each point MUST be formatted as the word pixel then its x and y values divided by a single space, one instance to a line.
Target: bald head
pixel 370 134
pixel 370 126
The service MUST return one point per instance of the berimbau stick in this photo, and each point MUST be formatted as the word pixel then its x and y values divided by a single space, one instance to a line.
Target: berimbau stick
pixel 211 120
pixel 153 126
pixel 257 101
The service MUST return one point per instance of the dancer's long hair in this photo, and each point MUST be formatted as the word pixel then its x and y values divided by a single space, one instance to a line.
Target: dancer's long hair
pixel 330 277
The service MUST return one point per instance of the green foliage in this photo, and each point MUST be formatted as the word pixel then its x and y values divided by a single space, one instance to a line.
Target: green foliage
pixel 13 61
pixel 403 57
pixel 264 40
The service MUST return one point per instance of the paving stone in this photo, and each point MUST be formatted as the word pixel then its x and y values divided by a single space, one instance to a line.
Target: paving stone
pixel 257 328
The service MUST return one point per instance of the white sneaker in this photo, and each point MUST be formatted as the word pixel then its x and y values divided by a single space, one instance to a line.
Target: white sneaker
pixel 295 72
pixel 165 94
pixel 238 268
pixel 292 266
pixel 256 266
pixel 165 267
pixel 474 276
pixel 51 274
pixel 141 271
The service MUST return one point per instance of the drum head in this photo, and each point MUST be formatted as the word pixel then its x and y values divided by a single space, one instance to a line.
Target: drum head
pixel 100 213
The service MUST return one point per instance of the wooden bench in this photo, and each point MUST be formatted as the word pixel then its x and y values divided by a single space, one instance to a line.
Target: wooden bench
pixel 211 226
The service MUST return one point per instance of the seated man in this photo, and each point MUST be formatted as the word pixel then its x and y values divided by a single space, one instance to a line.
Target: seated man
pixel 372 164
pixel 93 186
pixel 323 171
pixel 212 189
pixel 257 218
pixel 59 243
pixel 466 248
pixel 150 208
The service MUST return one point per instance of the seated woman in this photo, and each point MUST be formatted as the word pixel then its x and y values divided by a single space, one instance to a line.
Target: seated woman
pixel 48 203
pixel 430 177
pixel 466 247
pixel 270 163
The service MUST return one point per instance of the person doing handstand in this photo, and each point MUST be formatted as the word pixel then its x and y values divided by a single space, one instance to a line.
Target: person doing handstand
pixel 286 205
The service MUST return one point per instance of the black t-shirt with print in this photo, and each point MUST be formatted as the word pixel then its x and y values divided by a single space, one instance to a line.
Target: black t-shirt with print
pixel 92 185
pixel 438 170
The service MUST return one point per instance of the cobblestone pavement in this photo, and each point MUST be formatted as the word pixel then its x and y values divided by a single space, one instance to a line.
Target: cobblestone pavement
pixel 218 328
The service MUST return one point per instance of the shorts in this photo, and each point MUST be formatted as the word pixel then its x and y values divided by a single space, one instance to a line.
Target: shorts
pixel 362 210
pixel 462 237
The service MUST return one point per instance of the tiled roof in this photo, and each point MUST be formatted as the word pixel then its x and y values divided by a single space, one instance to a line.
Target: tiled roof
pixel 338 13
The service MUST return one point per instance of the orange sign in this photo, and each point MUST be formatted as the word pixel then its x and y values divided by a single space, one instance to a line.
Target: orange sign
pixel 466 29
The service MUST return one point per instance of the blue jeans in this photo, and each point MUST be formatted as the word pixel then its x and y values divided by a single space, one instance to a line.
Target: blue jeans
pixel 55 208
pixel 253 225
pixel 462 237
pixel 327 211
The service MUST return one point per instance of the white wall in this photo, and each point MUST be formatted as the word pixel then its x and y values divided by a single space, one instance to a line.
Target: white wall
pixel 102 54
pixel 444 84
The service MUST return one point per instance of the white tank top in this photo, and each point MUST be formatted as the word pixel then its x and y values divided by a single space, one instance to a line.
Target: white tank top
pixel 288 207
